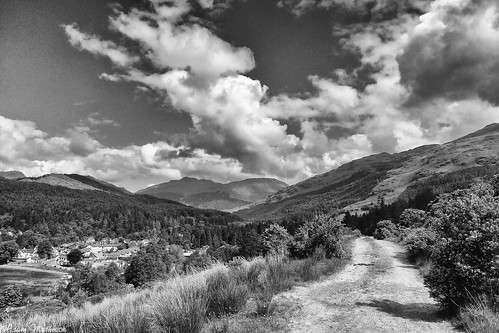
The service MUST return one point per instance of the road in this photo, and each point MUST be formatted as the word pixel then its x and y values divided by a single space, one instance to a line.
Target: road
pixel 378 292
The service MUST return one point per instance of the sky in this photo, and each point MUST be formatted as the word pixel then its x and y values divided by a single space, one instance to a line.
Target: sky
pixel 142 92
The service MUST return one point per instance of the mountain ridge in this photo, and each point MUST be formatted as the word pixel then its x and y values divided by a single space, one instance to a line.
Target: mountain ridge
pixel 356 185
pixel 207 194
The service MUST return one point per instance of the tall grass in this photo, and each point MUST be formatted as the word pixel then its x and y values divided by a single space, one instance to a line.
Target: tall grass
pixel 179 305
pixel 183 303
pixel 225 294
pixel 479 317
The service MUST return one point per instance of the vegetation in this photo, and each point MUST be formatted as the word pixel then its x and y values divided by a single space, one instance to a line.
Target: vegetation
pixel 44 249
pixel 74 256
pixel 8 250
pixel 276 239
pixel 11 296
pixel 184 303
pixel 386 229
pixel 464 256
pixel 457 243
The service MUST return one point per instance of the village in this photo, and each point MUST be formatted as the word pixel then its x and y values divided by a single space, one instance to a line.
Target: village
pixel 95 253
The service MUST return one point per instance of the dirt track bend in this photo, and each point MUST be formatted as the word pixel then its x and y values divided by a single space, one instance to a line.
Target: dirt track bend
pixel 378 292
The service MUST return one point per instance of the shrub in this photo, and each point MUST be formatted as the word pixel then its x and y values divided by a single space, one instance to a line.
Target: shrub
pixel 385 229
pixel 276 240
pixel 413 218
pixel 419 243
pixel 196 262
pixel 11 296
pixel 225 294
pixel 464 256
pixel 320 232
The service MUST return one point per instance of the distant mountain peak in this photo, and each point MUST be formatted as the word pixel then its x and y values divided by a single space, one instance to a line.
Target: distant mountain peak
pixel 203 193
pixel 12 174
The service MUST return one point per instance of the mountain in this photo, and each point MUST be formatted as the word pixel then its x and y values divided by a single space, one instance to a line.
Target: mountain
pixel 207 194
pixel 12 174
pixel 356 186
pixel 77 182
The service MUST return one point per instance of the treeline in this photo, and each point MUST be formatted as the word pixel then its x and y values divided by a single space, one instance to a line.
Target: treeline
pixel 64 214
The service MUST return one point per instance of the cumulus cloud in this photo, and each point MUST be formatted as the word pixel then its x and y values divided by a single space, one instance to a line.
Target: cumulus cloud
pixel 239 131
pixel 188 46
pixel 453 53
pixel 34 152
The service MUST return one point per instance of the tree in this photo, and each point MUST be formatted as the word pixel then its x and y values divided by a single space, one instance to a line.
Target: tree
pixel 276 239
pixel 8 250
pixel 74 256
pixel 151 263
pixel 81 279
pixel 251 244
pixel 464 256
pixel 28 239
pixel 45 249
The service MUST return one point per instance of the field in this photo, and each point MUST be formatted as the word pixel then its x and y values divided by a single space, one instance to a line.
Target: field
pixel 34 281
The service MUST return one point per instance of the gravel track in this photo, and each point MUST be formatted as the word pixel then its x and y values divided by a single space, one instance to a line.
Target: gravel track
pixel 378 292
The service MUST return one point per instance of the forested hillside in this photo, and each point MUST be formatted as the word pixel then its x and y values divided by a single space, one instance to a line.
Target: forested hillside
pixel 65 214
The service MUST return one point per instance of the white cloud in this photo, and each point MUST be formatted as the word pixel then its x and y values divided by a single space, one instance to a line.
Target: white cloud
pixel 237 130
pixel 171 45
pixel 93 44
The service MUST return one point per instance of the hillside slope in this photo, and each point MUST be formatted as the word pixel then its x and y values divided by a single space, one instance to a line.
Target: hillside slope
pixel 76 182
pixel 202 193
pixel 358 184
pixel 12 174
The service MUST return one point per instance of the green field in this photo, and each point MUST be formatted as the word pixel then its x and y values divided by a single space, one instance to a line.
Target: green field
pixel 33 281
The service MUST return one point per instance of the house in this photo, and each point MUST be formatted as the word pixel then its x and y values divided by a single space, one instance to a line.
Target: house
pixel 62 259
pixel 113 247
pixel 27 255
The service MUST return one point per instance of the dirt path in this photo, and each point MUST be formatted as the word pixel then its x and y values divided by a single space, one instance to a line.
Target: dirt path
pixel 378 292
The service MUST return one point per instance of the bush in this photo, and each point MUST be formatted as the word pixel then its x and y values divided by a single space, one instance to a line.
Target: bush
pixel 464 256
pixel 11 296
pixel 413 218
pixel 276 240
pixel 419 243
pixel 321 232
pixel 196 262
pixel 385 229
pixel 225 294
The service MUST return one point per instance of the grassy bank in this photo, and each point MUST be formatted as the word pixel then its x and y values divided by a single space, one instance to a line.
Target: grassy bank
pixel 236 297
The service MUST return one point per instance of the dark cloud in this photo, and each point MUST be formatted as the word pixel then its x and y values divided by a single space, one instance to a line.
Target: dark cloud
pixel 173 154
pixel 454 54
pixel 355 11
